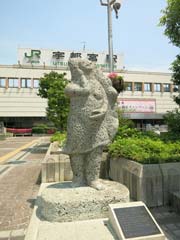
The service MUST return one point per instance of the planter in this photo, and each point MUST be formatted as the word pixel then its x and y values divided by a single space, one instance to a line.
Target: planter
pixel 56 166
pixel 153 184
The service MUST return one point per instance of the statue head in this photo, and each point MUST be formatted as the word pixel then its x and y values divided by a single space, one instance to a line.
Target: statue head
pixel 82 64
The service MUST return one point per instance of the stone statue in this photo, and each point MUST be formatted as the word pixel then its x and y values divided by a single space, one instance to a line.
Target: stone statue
pixel 92 121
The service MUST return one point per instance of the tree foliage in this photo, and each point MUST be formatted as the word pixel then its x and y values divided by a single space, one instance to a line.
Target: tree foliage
pixel 176 77
pixel 172 119
pixel 171 21
pixel 52 87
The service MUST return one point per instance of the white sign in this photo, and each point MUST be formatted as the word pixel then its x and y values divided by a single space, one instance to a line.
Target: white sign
pixel 59 57
pixel 137 105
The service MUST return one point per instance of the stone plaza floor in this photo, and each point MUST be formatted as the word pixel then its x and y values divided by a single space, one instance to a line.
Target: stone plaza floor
pixel 20 182
pixel 169 222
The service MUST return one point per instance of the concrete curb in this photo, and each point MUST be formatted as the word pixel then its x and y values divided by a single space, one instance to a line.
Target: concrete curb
pixel 13 234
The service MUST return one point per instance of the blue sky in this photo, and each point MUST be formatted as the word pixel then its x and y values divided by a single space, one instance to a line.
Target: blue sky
pixel 65 24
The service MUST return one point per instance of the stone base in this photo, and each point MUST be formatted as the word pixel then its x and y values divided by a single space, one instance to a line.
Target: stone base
pixel 97 229
pixel 62 203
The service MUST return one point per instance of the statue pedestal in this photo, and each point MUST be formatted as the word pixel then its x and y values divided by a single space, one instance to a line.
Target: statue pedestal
pixel 62 203
pixel 60 207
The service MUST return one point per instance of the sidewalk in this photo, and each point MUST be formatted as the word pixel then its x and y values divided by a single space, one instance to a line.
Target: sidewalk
pixel 19 184
pixel 12 144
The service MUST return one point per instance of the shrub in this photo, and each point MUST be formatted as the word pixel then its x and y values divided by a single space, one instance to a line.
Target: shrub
pixel 172 119
pixel 58 136
pixel 124 121
pixel 144 147
pixel 145 150
pixel 170 137
pixel 38 130
pixel 43 129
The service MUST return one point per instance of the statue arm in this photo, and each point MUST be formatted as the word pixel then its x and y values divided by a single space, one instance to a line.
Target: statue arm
pixel 73 89
pixel 101 111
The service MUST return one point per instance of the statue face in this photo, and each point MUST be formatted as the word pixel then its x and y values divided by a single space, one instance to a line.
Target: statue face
pixel 73 63
pixel 86 65
pixel 80 65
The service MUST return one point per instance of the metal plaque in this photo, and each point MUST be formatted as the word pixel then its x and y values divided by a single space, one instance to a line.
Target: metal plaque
pixel 136 222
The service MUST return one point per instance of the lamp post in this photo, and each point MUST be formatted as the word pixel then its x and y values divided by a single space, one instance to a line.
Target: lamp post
pixel 116 6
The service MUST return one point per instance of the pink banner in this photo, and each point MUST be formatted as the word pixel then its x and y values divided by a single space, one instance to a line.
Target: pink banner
pixel 137 105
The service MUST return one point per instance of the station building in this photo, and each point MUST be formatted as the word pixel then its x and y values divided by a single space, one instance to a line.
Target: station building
pixel 148 95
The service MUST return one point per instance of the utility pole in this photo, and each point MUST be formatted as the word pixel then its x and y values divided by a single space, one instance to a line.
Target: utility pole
pixel 84 46
pixel 116 6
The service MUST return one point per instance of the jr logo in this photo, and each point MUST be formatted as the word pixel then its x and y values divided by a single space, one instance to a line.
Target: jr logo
pixel 34 56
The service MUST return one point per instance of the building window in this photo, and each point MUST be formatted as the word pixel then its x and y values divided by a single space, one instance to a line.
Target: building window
pixel 147 87
pixel 128 86
pixel 2 82
pixel 166 87
pixel 13 82
pixel 137 86
pixel 157 87
pixel 25 83
pixel 36 83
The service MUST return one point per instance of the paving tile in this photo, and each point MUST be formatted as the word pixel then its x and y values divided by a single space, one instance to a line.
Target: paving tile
pixel 177 233
pixel 171 227
pixel 18 189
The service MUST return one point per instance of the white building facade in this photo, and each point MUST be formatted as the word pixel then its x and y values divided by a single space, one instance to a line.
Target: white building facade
pixel 148 95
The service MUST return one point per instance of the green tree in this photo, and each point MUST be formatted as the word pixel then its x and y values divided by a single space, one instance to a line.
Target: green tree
pixel 52 87
pixel 176 77
pixel 172 119
pixel 171 21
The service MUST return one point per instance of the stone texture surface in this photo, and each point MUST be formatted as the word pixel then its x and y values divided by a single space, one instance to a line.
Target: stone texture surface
pixel 82 230
pixel 150 183
pixel 169 222
pixel 175 201
pixel 171 180
pixel 38 229
pixel 92 120
pixel 56 166
pixel 60 202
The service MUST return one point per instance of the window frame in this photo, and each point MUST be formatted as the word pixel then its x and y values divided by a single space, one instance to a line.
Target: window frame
pixel 2 85
pixel 13 81
pixel 149 89
pixel 155 89
pixel 36 80
pixel 26 84
pixel 165 89
pixel 128 86
pixel 136 89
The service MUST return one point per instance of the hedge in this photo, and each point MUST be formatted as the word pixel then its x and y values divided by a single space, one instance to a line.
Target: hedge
pixel 144 147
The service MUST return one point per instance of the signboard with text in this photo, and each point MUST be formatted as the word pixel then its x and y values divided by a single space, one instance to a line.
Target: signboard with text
pixel 134 221
pixel 137 105
pixel 59 57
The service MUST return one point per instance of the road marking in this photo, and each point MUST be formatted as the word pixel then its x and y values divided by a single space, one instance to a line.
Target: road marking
pixel 8 155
